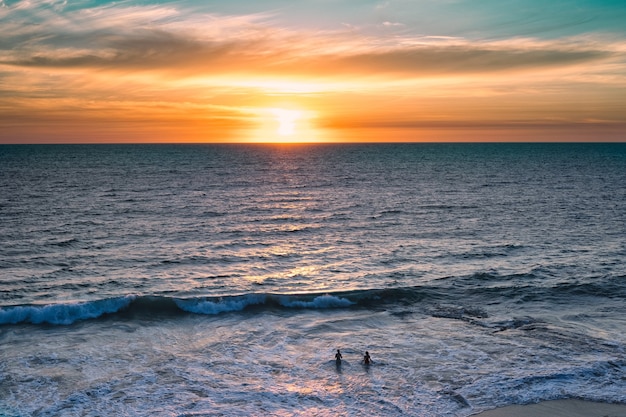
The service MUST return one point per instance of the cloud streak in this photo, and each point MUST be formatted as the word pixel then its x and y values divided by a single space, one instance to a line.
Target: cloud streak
pixel 168 40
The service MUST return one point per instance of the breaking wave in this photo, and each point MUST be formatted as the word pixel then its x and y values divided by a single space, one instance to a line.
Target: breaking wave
pixel 437 297
pixel 143 306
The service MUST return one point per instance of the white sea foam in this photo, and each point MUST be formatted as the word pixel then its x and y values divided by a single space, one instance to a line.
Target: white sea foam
pixel 238 303
pixel 322 301
pixel 220 305
pixel 283 364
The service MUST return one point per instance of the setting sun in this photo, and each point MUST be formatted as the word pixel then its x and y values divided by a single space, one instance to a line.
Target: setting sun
pixel 286 124
pixel 286 121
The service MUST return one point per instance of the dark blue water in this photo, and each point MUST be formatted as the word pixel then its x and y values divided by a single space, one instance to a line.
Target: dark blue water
pixel 220 279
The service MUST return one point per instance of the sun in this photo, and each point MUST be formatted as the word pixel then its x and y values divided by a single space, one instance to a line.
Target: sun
pixel 287 121
pixel 288 124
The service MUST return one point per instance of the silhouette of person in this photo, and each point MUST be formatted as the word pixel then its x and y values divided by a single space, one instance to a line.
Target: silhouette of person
pixel 338 356
pixel 367 358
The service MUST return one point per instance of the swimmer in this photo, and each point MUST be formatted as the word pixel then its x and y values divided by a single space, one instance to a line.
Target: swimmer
pixel 338 356
pixel 367 358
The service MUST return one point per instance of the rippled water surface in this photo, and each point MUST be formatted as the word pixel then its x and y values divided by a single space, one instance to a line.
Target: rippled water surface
pixel 220 279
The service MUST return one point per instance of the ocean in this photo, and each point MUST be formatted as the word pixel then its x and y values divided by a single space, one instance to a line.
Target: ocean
pixel 219 280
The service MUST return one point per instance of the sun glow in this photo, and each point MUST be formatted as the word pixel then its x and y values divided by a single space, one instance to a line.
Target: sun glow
pixel 287 120
pixel 286 124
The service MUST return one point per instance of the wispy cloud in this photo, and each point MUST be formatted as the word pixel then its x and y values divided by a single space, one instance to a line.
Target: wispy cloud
pixel 153 38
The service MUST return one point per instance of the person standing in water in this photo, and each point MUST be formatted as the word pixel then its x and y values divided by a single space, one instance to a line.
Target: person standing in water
pixel 338 357
pixel 367 358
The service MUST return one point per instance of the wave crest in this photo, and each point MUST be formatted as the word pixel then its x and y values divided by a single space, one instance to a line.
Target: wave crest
pixel 442 300
pixel 63 314
pixel 150 306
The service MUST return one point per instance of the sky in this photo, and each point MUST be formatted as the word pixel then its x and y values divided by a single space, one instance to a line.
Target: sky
pixel 93 71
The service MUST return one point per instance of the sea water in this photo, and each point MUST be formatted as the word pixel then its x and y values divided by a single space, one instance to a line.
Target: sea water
pixel 219 280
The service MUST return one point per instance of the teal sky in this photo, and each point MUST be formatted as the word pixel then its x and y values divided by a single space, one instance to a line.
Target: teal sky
pixel 477 19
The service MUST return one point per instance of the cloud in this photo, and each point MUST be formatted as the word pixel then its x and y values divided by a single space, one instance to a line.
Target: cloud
pixel 170 40
pixel 455 60
pixel 392 24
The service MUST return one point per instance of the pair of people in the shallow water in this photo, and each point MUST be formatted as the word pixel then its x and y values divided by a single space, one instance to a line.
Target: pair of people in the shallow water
pixel 367 359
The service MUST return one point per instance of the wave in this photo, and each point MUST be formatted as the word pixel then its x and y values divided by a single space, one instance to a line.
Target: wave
pixel 151 306
pixel 63 313
pixel 436 297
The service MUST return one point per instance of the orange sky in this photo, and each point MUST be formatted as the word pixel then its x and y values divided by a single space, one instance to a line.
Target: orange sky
pixel 271 71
